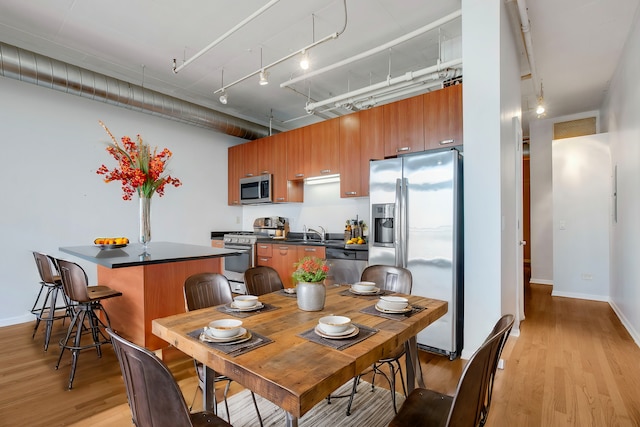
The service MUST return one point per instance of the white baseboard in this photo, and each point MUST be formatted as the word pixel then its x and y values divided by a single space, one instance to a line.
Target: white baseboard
pixel 28 317
pixel 602 298
pixel 625 322
pixel 541 281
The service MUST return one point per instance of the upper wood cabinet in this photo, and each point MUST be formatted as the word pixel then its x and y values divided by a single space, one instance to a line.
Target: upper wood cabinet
pixel 323 156
pixel 233 176
pixel 248 165
pixel 272 156
pixel 298 145
pixel 371 142
pixel 403 126
pixel 443 117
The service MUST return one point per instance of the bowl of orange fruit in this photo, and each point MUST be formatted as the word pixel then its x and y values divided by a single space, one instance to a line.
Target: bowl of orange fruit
pixel 111 242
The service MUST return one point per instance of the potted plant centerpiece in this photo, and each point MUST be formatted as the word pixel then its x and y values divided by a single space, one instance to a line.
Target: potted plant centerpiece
pixel 310 274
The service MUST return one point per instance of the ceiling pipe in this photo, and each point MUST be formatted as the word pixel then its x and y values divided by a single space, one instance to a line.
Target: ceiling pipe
pixel 378 49
pixel 224 36
pixel 435 71
pixel 528 44
pixel 30 67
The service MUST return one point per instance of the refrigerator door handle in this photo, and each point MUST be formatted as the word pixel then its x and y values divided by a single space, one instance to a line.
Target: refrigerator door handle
pixel 403 222
pixel 398 224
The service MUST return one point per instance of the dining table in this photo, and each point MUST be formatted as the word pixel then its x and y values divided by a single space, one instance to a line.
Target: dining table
pixel 286 360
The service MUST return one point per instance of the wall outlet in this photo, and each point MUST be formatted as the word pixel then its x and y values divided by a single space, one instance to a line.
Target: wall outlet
pixel 587 276
pixel 237 220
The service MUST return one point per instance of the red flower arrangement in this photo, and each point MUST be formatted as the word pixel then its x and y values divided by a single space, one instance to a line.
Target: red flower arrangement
pixel 140 170
pixel 310 269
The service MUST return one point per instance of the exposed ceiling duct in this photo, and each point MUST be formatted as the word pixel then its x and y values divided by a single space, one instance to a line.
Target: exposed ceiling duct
pixel 47 72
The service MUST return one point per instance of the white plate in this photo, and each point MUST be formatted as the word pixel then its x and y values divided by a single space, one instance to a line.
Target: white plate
pixel 290 290
pixel 353 331
pixel 385 310
pixel 348 331
pixel 233 306
pixel 372 292
pixel 213 338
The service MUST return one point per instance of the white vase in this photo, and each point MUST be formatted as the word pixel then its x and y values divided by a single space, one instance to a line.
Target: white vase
pixel 311 296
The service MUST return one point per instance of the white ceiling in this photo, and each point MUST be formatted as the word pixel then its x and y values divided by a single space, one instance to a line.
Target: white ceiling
pixel 576 43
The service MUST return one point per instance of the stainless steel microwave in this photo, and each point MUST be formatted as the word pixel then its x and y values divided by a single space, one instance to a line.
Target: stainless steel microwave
pixel 256 189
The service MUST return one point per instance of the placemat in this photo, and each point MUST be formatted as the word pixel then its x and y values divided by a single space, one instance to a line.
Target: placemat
pixel 365 332
pixel 244 314
pixel 348 293
pixel 392 316
pixel 257 340
pixel 286 294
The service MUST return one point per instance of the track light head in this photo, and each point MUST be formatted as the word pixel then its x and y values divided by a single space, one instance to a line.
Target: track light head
pixel 264 78
pixel 223 98
pixel 304 61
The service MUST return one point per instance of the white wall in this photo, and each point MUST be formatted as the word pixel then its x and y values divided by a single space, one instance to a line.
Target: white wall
pixel 541 187
pixel 51 196
pixel 581 217
pixel 620 120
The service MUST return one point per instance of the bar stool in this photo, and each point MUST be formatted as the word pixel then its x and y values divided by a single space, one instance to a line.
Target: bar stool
pixel 49 311
pixel 88 302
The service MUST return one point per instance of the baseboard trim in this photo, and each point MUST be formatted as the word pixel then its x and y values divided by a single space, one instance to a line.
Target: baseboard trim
pixel 541 281
pixel 625 322
pixel 602 298
pixel 16 320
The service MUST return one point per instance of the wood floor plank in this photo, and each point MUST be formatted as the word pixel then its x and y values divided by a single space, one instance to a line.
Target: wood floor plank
pixel 573 364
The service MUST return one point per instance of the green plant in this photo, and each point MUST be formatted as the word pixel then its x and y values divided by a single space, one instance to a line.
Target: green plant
pixel 310 269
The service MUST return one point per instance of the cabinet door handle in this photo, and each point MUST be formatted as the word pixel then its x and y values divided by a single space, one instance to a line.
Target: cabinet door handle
pixel 299 175
pixel 264 259
pixel 249 175
pixel 325 171
pixel 447 141
pixel 264 172
pixel 350 193
pixel 280 199
pixel 263 246
pixel 309 249
pixel 401 149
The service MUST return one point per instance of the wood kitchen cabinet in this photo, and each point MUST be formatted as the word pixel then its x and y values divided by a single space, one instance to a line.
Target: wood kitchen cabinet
pixel 317 251
pixel 361 140
pixel 298 147
pixel 443 117
pixel 282 257
pixel 233 162
pixel 272 159
pixel 323 156
pixel 403 126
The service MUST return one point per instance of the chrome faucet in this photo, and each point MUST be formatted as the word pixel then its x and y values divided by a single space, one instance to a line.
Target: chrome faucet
pixel 321 233
pixel 304 233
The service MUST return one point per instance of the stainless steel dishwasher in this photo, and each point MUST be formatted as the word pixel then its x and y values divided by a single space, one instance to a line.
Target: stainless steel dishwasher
pixel 345 265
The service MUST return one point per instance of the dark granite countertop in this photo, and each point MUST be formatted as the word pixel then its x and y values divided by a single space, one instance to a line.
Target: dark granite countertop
pixel 157 253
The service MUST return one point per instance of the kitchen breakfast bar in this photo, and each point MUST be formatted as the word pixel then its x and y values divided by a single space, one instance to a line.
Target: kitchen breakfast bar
pixel 151 282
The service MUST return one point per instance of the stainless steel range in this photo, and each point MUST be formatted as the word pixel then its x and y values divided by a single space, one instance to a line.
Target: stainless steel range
pixel 235 266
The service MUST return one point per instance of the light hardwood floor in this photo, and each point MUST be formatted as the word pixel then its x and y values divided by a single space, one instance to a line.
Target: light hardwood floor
pixel 573 365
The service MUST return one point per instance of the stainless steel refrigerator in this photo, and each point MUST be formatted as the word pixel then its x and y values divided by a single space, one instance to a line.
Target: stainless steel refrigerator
pixel 416 223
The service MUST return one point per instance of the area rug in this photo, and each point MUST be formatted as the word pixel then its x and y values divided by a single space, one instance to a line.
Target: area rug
pixel 369 409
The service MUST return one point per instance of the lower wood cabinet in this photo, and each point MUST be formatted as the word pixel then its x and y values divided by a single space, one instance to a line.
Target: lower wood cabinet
pixel 282 257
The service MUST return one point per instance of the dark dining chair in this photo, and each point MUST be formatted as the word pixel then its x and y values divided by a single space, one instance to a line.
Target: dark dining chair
pixel 394 279
pixel 465 408
pixel 49 309
pixel 86 302
pixel 205 290
pixel 262 280
pixel 154 396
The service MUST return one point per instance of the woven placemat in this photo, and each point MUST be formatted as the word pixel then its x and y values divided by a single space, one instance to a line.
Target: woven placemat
pixel 339 344
pixel 393 316
pixel 348 293
pixel 256 340
pixel 244 314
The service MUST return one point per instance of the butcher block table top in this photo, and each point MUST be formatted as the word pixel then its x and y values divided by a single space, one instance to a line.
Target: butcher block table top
pixel 292 371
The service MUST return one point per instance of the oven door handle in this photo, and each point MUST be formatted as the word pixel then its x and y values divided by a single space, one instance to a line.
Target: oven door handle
pixel 241 247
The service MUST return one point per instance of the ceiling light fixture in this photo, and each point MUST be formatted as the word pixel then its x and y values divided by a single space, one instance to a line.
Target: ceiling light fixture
pixel 540 109
pixel 304 61
pixel 264 75
pixel 223 97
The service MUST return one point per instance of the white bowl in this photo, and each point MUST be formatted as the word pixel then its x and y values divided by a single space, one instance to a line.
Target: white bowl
pixel 363 286
pixel 393 303
pixel 334 324
pixel 225 328
pixel 245 301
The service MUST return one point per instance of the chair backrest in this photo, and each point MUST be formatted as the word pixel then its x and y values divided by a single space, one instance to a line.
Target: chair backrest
pixel 262 280
pixel 469 400
pixel 206 290
pixel 43 262
pixel 503 328
pixel 154 396
pixel 74 281
pixel 395 279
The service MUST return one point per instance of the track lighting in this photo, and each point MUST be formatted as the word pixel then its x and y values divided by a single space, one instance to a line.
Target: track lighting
pixel 540 109
pixel 264 78
pixel 223 98
pixel 304 61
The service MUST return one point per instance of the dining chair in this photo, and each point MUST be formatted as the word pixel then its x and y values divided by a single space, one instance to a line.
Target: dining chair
pixel 505 323
pixel 49 310
pixel 155 399
pixel 204 290
pixel 86 302
pixel 262 280
pixel 429 408
pixel 393 279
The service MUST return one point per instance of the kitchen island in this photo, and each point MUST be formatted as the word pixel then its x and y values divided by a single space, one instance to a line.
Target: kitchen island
pixel 151 282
